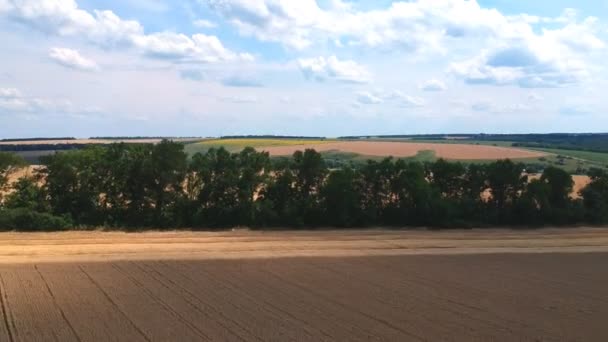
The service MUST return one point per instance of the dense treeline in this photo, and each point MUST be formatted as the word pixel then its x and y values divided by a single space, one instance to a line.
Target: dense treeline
pixel 41 147
pixel 38 139
pixel 138 137
pixel 148 185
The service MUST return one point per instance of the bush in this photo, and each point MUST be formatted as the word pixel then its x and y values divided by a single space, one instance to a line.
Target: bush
pixel 23 219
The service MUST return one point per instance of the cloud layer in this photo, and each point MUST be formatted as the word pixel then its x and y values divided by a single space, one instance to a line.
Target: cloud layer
pixel 299 66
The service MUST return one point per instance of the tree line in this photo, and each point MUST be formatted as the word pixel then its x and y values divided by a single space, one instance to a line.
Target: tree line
pixel 159 186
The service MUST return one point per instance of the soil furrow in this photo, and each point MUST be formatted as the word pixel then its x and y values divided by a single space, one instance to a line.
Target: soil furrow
pixel 163 303
pixel 122 313
pixel 5 311
pixel 50 292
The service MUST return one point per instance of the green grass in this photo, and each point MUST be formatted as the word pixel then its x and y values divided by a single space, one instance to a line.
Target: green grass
pixel 593 157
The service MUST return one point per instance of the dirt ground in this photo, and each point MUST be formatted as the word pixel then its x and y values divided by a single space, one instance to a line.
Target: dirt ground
pixel 409 149
pixel 499 285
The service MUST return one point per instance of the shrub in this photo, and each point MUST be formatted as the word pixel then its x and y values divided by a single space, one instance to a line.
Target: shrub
pixel 23 219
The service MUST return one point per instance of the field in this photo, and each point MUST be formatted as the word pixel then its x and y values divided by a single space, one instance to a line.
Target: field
pixel 236 145
pixel 496 285
pixel 410 149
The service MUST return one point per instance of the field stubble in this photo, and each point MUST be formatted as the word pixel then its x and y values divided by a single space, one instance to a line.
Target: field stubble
pixel 305 286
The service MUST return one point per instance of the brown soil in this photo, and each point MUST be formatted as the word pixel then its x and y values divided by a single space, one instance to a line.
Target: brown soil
pixel 346 285
pixel 409 149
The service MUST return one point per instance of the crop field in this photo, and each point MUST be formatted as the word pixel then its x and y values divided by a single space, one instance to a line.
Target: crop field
pixel 497 285
pixel 236 145
pixel 410 149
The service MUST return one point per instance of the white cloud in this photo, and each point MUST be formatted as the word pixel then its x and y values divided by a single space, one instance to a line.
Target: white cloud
pixel 193 75
pixel 72 59
pixel 14 101
pixel 397 98
pixel 406 100
pixel 241 81
pixel 556 54
pixel 8 93
pixel 417 25
pixel 364 97
pixel 433 85
pixel 322 69
pixel 202 23
pixel 553 58
pixel 239 99
pixel 523 66
pixel 534 97
pixel 488 107
pixel 106 29
pixel 176 46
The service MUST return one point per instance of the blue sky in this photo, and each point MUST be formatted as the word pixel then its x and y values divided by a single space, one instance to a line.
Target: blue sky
pixel 326 67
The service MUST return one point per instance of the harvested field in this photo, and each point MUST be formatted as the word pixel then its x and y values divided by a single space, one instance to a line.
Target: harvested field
pixel 410 149
pixel 305 286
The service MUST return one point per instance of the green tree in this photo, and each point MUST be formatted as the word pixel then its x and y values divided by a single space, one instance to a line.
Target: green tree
pixel 166 169
pixel 377 193
pixel 595 197
pixel 9 163
pixel 341 198
pixel 506 182
pixel 28 194
pixel 560 185
pixel 448 177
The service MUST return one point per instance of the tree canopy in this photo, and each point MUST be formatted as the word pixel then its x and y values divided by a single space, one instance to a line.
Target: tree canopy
pixel 159 186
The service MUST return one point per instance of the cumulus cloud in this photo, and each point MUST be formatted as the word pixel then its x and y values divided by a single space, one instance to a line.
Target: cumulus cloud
pixel 202 23
pixel 241 81
pixel 416 25
pixel 192 75
pixel 240 99
pixel 521 65
pixel 404 100
pixel 332 68
pixel 516 51
pixel 7 93
pixel 489 107
pixel 13 100
pixel 106 29
pixel 72 59
pixel 365 97
pixel 393 97
pixel 433 85
pixel 553 58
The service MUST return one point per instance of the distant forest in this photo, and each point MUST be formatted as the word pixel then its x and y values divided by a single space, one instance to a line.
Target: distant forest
pixel 138 138
pixel 271 137
pixel 37 139
pixel 141 186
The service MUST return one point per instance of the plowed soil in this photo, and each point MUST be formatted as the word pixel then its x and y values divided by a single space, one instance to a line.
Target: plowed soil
pixel 409 149
pixel 478 285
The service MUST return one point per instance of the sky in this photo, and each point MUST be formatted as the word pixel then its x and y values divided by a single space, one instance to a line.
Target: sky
pixel 308 67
